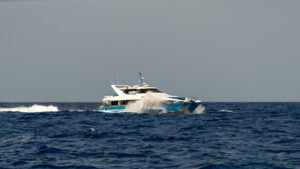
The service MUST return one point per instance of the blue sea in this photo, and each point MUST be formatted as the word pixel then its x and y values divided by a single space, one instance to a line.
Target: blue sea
pixel 75 135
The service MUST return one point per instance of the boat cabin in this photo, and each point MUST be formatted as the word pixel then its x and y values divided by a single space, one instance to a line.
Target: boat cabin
pixel 117 103
pixel 137 91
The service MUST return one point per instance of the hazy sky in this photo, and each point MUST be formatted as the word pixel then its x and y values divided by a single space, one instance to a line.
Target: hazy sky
pixel 216 50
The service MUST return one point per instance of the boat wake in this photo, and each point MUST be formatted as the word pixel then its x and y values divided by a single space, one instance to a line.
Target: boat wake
pixel 32 109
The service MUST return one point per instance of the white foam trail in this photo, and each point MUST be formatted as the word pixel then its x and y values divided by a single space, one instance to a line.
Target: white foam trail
pixel 224 110
pixel 32 109
pixel 151 101
pixel 199 110
pixel 79 110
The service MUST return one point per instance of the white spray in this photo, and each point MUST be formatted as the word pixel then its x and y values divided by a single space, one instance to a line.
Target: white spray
pixel 151 101
pixel 199 110
pixel 32 109
pixel 154 102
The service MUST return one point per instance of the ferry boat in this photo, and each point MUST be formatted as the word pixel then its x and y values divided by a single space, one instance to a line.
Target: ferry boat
pixel 143 98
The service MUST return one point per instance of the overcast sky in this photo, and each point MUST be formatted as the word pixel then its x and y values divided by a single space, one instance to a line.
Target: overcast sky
pixel 216 50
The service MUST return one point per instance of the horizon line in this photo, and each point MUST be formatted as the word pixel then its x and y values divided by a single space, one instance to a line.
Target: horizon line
pixel 101 101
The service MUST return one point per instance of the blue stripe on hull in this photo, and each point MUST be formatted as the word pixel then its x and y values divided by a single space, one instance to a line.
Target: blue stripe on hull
pixel 174 107
pixel 112 108
pixel 169 107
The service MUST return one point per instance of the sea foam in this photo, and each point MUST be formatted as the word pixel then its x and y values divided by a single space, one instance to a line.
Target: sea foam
pixel 154 101
pixel 32 109
pixel 224 110
pixel 151 101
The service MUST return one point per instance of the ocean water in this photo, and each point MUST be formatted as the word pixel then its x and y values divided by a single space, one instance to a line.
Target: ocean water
pixel 75 135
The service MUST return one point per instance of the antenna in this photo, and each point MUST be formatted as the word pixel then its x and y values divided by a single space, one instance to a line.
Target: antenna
pixel 110 80
pixel 118 80
pixel 141 78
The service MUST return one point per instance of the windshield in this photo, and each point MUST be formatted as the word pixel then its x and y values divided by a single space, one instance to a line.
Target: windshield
pixel 128 91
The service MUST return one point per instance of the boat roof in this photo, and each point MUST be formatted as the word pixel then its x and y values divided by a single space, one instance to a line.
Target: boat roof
pixel 122 97
pixel 145 86
pixel 142 88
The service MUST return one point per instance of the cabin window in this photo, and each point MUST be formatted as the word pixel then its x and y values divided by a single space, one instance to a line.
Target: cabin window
pixel 149 90
pixel 114 103
pixel 130 91
pixel 124 102
pixel 142 91
pixel 134 91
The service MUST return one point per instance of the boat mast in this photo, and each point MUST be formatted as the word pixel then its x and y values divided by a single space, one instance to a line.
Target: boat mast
pixel 141 78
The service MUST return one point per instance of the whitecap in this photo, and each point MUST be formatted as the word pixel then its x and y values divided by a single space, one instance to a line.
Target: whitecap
pixel 224 110
pixel 32 109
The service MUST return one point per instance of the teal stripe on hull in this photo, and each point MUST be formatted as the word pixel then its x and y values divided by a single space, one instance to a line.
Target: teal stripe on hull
pixel 169 107
pixel 174 107
pixel 112 108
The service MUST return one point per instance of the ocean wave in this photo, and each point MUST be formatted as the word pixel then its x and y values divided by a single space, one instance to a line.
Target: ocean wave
pixel 32 109
pixel 226 111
